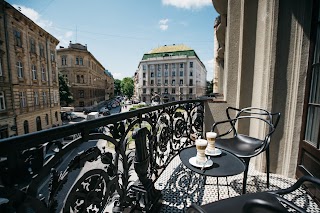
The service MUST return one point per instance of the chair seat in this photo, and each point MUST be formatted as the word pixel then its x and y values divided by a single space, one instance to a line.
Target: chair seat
pixel 235 204
pixel 240 145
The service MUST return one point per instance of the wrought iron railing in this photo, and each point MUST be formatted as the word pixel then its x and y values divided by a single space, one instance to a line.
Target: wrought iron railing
pixel 40 172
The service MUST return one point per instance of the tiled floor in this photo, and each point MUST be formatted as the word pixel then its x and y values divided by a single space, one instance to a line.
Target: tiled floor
pixel 180 187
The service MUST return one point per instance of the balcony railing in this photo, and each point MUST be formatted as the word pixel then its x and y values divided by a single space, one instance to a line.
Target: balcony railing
pixel 85 173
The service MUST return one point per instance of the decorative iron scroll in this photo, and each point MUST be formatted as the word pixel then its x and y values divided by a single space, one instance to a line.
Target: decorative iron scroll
pixel 101 173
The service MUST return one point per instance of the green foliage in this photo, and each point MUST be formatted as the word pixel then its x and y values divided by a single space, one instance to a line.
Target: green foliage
pixel 117 87
pixel 209 89
pixel 127 87
pixel 66 96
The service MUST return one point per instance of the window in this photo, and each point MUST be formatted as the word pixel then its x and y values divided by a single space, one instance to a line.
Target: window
pixel 23 99
pixel 19 69
pixel 152 67
pixel 173 82
pixel 44 98
pixel 32 46
pixel 166 82
pixel 34 72
pixel 159 67
pixel 144 90
pixel 159 73
pixel 47 119
pixel 26 127
pixel 82 79
pixel 191 64
pixel 144 67
pixel 17 38
pixel 173 73
pixel 166 66
pixel 173 66
pixel 152 90
pixel 166 90
pixel 181 73
pixel 190 90
pixel 143 75
pixel 81 103
pixel 77 61
pixel 181 65
pixel 43 73
pixel 41 48
pixel 151 74
pixel 55 97
pixel 166 73
pixel 190 82
pixel 52 56
pixel 4 132
pixel 159 82
pixel 181 90
pixel 159 90
pixel 36 98
pixel 173 91
pixel 151 82
pixel 144 83
pixel 78 78
pixel 1 73
pixel 81 93
pixel 56 115
pixel 64 60
pixel 181 82
pixel 191 73
pixel 81 61
pixel 38 123
pixel 2 101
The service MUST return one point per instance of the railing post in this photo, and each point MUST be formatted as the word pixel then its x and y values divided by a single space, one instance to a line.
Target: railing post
pixel 145 192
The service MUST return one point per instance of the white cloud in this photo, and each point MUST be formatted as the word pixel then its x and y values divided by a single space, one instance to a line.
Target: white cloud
pixel 187 4
pixel 68 34
pixel 209 67
pixel 163 24
pixel 34 16
pixel 117 75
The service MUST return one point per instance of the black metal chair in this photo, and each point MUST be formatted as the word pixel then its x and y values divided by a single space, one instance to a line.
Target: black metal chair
pixel 244 146
pixel 266 202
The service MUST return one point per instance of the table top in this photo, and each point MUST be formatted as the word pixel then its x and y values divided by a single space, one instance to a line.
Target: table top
pixel 224 165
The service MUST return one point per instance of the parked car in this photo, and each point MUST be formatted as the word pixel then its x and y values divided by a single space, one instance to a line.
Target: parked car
pixel 68 116
pixel 128 102
pixel 92 115
pixel 105 113
pixel 103 109
pixel 87 111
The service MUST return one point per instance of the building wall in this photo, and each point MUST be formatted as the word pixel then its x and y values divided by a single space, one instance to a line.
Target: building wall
pixel 265 65
pixel 163 84
pixel 87 78
pixel 44 82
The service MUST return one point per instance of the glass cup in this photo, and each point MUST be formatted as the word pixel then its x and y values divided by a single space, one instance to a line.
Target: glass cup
pixel 211 138
pixel 201 145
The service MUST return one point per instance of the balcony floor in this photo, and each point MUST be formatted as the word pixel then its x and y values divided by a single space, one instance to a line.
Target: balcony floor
pixel 180 187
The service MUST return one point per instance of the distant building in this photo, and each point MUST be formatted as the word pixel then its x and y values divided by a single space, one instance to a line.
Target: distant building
pixel 110 85
pixel 171 73
pixel 29 87
pixel 86 76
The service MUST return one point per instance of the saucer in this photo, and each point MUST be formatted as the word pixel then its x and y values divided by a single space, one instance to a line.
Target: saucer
pixel 215 153
pixel 193 162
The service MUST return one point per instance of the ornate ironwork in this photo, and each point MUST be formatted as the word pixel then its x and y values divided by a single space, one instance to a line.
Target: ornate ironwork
pixel 94 171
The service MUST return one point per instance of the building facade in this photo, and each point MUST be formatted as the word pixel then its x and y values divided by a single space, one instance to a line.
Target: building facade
pixel 110 85
pixel 29 87
pixel 271 60
pixel 85 75
pixel 172 73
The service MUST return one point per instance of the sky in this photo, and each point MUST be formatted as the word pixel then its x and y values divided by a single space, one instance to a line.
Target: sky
pixel 119 32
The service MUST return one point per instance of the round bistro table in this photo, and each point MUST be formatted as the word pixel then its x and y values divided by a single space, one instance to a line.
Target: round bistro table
pixel 224 165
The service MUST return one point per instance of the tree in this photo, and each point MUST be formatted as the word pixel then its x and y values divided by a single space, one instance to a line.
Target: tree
pixel 127 87
pixel 66 96
pixel 117 87
pixel 209 89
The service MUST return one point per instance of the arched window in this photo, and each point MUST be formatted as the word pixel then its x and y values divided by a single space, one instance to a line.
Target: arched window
pixel 26 127
pixel 56 115
pixel 47 119
pixel 38 123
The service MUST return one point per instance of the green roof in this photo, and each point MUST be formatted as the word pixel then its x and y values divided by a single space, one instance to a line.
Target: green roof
pixel 166 54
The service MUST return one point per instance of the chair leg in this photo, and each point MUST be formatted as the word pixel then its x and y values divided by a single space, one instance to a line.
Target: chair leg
pixel 245 175
pixel 268 166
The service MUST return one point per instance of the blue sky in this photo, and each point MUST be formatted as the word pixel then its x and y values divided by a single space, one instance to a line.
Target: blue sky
pixel 119 32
